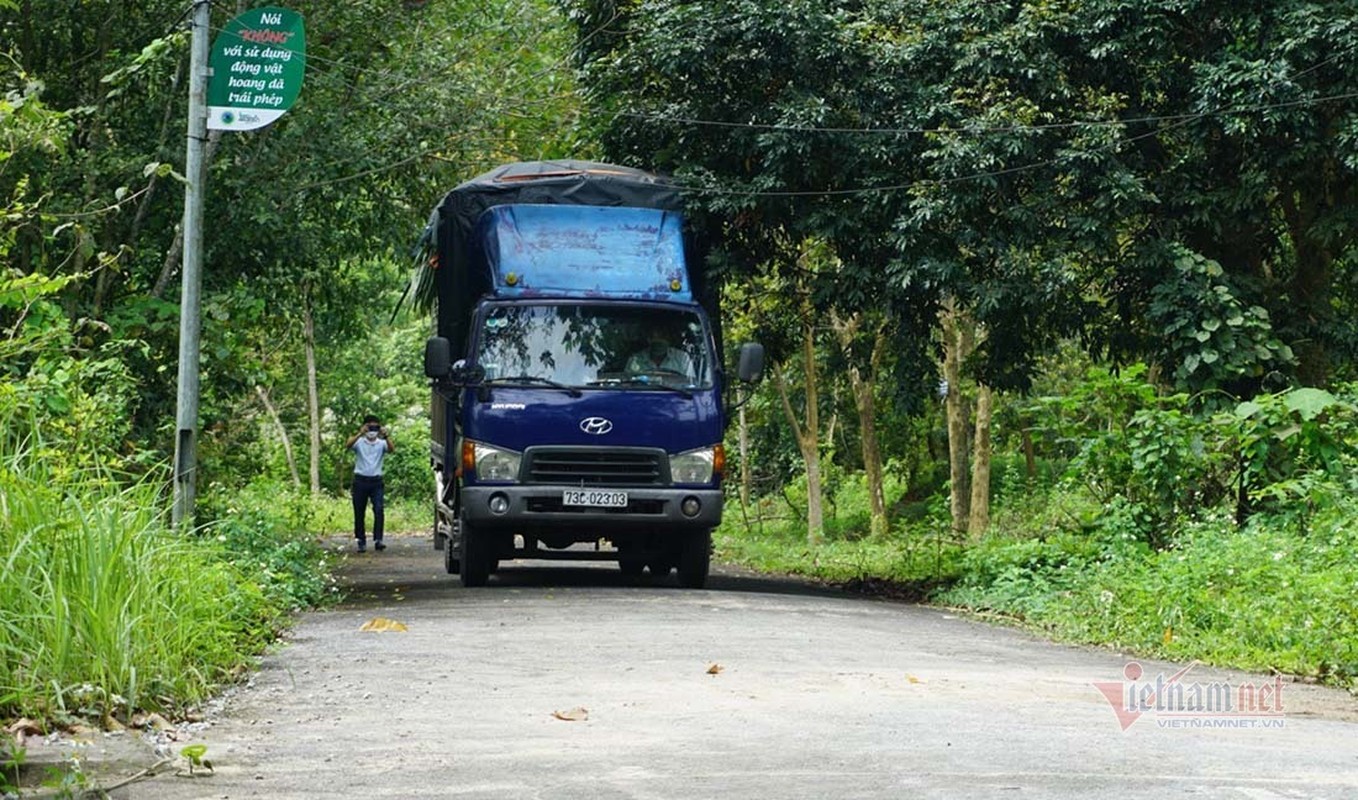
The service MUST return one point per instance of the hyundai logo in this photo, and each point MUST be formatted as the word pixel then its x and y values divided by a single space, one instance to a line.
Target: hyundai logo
pixel 595 426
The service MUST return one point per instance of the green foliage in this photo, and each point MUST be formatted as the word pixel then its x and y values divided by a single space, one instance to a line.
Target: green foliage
pixel 1298 449
pixel 266 530
pixel 1098 168
pixel 1211 339
pixel 1167 462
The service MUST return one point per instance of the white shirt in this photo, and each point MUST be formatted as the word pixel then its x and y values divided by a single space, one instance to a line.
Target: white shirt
pixel 675 360
pixel 369 456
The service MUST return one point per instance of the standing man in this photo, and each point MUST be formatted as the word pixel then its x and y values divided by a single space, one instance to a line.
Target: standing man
pixel 370 446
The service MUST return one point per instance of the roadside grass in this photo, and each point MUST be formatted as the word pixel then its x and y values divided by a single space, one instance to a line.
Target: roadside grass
pixel 1273 595
pixel 106 612
pixel 1280 593
pixel 102 610
pixel 914 561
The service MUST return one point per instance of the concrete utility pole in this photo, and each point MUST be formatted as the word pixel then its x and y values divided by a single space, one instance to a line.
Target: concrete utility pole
pixel 186 419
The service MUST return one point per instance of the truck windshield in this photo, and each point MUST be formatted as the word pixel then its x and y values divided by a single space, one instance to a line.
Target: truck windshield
pixel 602 346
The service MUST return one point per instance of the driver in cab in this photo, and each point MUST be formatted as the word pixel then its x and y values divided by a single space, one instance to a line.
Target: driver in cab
pixel 659 356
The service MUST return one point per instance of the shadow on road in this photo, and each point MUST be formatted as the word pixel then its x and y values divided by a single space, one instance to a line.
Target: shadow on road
pixel 411 567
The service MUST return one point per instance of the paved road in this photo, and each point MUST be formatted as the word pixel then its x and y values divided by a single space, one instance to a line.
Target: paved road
pixel 815 695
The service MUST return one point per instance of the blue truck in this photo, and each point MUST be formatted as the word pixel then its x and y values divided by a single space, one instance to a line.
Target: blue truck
pixel 579 399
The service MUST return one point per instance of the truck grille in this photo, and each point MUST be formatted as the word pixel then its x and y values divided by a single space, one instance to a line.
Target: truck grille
pixel 583 466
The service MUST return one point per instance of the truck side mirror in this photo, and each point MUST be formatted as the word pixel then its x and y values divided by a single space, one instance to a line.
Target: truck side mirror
pixel 438 357
pixel 751 366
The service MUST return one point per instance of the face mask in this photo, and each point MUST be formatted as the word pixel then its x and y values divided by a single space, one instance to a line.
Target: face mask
pixel 372 436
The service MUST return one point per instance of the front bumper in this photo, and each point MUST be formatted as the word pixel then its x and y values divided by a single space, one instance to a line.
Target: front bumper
pixel 538 507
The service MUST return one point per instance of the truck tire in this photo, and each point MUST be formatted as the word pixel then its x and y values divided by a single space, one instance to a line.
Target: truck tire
pixel 478 556
pixel 695 560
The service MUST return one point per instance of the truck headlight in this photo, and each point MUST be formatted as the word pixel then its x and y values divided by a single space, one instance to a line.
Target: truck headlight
pixel 496 464
pixel 695 466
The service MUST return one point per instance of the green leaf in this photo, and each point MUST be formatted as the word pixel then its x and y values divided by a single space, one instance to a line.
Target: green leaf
pixel 1308 402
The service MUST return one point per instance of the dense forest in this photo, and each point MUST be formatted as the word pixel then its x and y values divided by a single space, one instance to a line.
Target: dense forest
pixel 1059 300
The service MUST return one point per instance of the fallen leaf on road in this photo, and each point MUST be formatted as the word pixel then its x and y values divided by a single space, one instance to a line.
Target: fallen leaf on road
pixel 380 624
pixel 153 721
pixel 22 728
pixel 577 714
pixel 715 669
pixel 913 679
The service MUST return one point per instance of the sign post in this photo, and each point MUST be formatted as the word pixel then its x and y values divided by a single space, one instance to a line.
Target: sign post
pixel 257 65
pixel 186 413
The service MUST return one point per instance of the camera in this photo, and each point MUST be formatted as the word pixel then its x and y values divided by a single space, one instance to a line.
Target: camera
pixel 374 426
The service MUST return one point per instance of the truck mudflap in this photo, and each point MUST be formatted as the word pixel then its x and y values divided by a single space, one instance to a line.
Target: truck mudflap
pixel 529 508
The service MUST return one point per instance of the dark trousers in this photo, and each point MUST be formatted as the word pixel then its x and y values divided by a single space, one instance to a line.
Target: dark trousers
pixel 366 488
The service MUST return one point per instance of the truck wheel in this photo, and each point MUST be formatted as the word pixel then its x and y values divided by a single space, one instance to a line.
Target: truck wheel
pixel 695 560
pixel 477 556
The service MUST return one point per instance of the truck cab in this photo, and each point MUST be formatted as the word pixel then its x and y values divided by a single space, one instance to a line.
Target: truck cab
pixel 579 396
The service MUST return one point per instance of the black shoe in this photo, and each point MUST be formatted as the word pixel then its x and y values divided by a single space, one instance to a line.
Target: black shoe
pixel 377 545
pixel 362 548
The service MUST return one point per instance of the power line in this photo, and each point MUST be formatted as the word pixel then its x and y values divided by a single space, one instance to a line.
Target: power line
pixel 1170 122
pixel 978 129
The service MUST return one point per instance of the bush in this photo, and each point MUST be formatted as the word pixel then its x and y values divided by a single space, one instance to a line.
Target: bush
pixel 1267 596
pixel 265 530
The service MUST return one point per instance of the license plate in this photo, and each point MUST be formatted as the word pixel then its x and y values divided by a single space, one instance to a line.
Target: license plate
pixel 592 497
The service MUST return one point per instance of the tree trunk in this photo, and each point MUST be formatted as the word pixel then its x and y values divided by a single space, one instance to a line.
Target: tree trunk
pixel 980 466
pixel 808 435
pixel 815 513
pixel 282 433
pixel 176 251
pixel 958 493
pixel 313 396
pixel 865 402
pixel 744 462
pixel 1309 290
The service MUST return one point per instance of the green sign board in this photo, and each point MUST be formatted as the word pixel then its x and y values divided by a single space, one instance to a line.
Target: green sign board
pixel 258 62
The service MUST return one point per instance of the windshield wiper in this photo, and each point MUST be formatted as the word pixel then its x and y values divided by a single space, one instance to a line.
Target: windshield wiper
pixel 641 382
pixel 535 381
